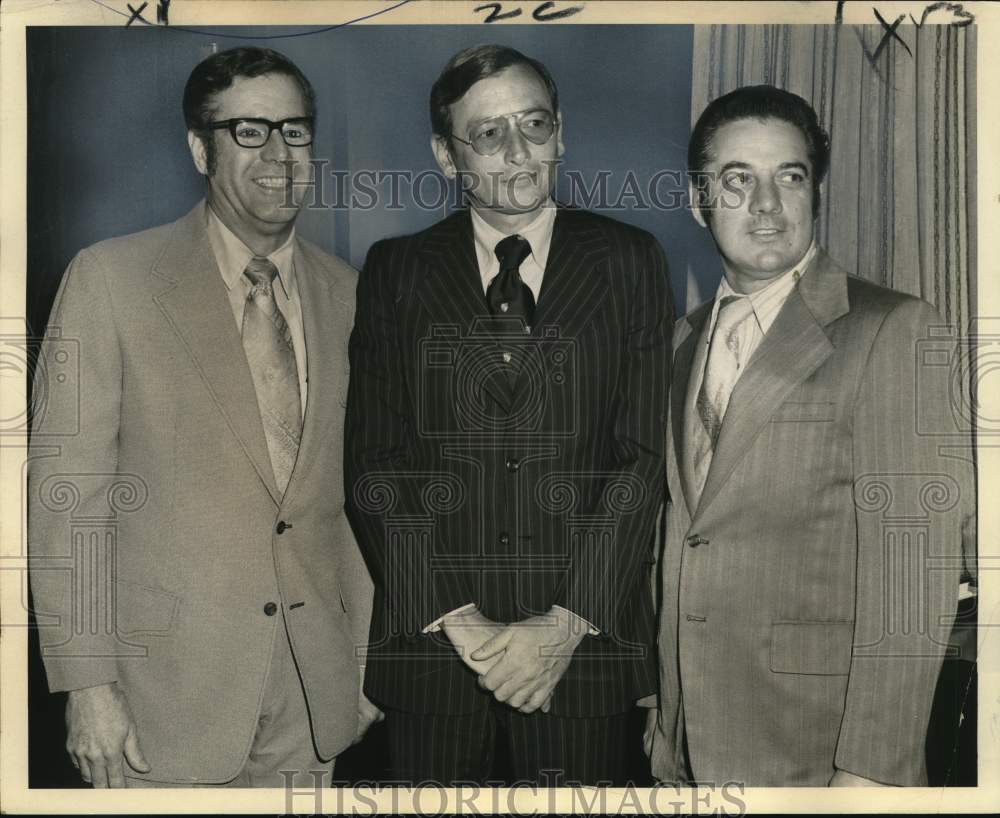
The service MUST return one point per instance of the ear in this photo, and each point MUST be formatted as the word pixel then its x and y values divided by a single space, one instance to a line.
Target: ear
pixel 693 197
pixel 561 148
pixel 198 152
pixel 442 153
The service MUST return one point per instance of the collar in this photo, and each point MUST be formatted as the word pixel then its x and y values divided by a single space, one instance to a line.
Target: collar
pixel 538 233
pixel 767 302
pixel 232 255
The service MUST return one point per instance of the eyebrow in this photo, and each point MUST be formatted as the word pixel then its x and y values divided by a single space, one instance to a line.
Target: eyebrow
pixel 782 166
pixel 476 122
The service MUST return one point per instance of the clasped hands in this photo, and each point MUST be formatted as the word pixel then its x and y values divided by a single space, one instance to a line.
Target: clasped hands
pixel 521 662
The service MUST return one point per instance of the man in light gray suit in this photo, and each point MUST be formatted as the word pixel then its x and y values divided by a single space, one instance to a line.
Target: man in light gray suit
pixel 213 636
pixel 813 533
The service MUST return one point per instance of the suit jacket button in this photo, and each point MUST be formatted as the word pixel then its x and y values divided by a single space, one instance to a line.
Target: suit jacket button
pixel 282 527
pixel 270 609
pixel 695 540
pixel 504 538
pixel 513 464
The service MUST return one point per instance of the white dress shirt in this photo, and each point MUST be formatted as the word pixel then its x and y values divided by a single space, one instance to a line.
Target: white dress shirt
pixel 232 257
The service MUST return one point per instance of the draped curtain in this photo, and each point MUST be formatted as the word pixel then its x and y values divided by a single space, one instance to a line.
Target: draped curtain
pixel 898 205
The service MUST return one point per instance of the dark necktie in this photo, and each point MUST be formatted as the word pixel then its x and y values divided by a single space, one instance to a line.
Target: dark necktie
pixel 268 345
pixel 507 294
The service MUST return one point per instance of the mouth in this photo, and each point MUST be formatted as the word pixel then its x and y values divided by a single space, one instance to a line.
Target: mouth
pixel 766 232
pixel 273 182
pixel 523 177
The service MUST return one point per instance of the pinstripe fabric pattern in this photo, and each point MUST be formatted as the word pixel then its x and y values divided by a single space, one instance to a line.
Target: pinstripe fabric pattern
pixel 462 492
pixel 804 593
pixel 542 749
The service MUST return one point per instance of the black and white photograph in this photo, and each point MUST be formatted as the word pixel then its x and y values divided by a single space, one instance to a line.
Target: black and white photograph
pixel 528 407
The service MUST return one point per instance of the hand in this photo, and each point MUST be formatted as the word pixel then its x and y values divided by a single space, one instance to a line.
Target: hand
pixel 842 778
pixel 368 714
pixel 647 734
pixel 100 730
pixel 467 630
pixel 533 656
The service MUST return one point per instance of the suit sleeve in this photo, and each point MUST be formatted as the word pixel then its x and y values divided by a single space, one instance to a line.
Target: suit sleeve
pixel 73 460
pixel 907 586
pixel 602 575
pixel 379 471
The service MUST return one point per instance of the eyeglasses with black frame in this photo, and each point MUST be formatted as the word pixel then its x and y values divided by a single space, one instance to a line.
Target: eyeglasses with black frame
pixel 486 138
pixel 250 132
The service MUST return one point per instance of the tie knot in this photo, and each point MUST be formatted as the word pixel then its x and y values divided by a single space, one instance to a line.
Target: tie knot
pixel 511 251
pixel 260 271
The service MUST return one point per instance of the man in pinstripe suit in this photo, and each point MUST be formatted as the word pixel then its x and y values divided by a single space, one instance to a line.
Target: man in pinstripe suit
pixel 504 452
pixel 812 547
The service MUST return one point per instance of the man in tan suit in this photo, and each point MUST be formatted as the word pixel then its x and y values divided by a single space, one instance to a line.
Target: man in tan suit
pixel 208 628
pixel 813 533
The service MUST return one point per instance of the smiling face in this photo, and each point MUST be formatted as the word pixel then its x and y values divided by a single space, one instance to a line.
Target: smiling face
pixel 250 189
pixel 509 187
pixel 761 186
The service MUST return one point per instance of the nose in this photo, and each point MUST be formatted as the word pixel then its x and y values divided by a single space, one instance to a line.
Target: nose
pixel 516 150
pixel 765 198
pixel 275 149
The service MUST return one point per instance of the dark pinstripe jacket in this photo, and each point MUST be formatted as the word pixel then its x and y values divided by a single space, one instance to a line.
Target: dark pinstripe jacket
pixel 516 492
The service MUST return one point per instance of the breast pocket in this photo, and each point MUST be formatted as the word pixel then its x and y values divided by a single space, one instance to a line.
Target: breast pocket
pixel 805 412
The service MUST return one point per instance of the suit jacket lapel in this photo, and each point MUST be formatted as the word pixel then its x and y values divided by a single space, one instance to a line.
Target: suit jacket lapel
pixel 576 274
pixel 794 347
pixel 688 362
pixel 452 292
pixel 574 285
pixel 326 365
pixel 453 287
pixel 195 302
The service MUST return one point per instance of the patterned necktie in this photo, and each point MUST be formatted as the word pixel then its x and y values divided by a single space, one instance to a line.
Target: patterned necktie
pixel 268 345
pixel 507 294
pixel 722 370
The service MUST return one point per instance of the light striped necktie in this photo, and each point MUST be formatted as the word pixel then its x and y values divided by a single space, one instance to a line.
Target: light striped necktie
pixel 722 370
pixel 268 345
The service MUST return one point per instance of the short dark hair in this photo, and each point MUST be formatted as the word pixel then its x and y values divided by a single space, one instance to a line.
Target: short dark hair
pixel 468 67
pixel 216 73
pixel 760 102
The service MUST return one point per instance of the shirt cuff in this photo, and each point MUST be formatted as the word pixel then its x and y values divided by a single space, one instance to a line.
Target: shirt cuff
pixel 435 626
pixel 592 631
